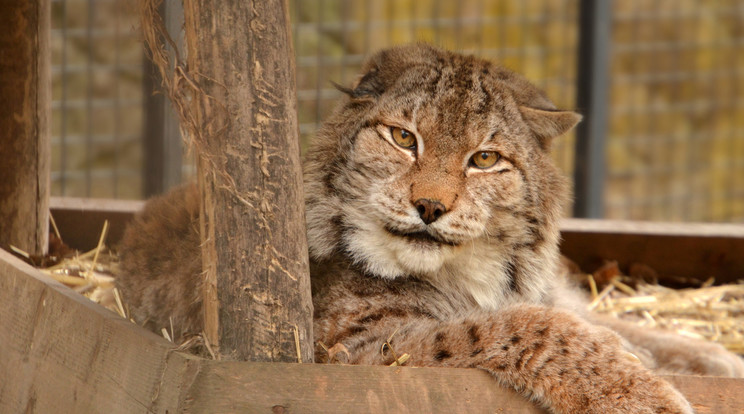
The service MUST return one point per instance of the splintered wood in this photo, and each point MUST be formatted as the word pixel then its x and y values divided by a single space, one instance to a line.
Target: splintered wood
pixel 715 313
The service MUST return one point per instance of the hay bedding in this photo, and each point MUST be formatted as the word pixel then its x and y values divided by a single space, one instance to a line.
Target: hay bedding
pixel 90 274
pixel 714 313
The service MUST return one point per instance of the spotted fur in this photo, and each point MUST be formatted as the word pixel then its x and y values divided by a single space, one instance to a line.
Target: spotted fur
pixel 475 283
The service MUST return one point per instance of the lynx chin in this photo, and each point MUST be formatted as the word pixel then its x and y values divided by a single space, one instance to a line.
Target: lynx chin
pixel 432 214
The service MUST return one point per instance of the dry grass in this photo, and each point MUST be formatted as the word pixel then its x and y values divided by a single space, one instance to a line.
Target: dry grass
pixel 714 313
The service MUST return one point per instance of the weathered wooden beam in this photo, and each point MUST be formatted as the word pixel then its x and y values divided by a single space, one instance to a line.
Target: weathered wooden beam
pixel 687 250
pixel 288 388
pixel 80 220
pixel 25 111
pixel 63 353
pixel 254 249
pixel 305 388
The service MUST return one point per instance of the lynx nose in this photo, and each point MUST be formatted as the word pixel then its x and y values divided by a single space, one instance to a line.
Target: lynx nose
pixel 429 210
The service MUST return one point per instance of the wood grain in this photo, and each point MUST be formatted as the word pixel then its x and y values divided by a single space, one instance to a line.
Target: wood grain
pixel 64 353
pixel 254 250
pixel 25 111
pixel 80 220
pixel 305 388
pixel 688 250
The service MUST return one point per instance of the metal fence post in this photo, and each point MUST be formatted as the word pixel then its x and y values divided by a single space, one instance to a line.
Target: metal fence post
pixel 592 100
pixel 162 136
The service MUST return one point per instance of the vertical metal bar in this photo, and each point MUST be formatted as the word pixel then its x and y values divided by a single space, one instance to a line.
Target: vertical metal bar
pixel 651 172
pixel 567 75
pixel 152 136
pixel 162 167
pixel 675 207
pixel 591 99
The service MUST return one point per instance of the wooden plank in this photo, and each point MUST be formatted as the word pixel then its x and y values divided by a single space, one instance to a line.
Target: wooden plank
pixel 689 250
pixel 307 388
pixel 711 395
pixel 280 387
pixel 64 353
pixel 80 220
pixel 25 112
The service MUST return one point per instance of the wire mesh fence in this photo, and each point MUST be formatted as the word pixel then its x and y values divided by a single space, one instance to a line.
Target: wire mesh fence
pixel 96 99
pixel 674 146
pixel 535 38
pixel 676 136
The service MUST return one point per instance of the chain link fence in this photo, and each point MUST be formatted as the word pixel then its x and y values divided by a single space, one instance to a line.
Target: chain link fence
pixel 674 142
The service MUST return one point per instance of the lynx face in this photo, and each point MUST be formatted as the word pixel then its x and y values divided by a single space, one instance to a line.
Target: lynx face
pixel 439 170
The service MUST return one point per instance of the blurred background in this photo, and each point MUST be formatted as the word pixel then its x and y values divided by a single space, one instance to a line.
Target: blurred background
pixel 661 81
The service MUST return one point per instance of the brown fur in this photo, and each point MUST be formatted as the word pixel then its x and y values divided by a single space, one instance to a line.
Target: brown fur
pixel 477 287
pixel 161 264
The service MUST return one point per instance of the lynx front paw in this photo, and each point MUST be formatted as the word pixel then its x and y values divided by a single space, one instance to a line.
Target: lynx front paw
pixel 633 389
pixel 651 396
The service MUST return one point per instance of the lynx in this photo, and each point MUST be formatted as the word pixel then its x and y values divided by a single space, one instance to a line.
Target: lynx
pixel 432 221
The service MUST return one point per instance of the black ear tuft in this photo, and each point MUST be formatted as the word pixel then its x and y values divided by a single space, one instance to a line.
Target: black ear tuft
pixel 368 87
pixel 343 89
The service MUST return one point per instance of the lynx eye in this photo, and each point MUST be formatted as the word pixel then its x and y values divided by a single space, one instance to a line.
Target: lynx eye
pixel 485 159
pixel 403 138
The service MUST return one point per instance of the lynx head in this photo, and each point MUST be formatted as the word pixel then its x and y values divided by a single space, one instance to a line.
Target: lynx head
pixel 437 167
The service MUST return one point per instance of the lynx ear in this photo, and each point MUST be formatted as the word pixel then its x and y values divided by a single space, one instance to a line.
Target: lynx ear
pixel 368 87
pixel 548 124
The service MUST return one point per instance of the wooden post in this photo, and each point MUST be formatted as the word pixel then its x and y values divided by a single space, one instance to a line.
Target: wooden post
pixel 257 300
pixel 25 104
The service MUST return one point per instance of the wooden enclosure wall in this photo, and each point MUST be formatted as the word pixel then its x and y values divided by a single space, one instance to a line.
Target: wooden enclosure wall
pixel 63 353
